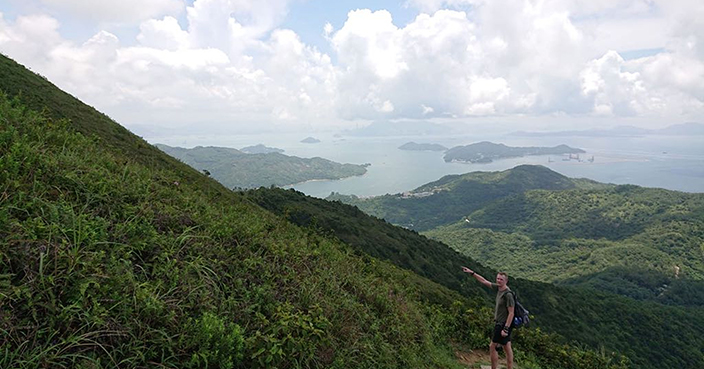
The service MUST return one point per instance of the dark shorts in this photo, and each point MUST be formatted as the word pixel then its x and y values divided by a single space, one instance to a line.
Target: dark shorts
pixel 498 338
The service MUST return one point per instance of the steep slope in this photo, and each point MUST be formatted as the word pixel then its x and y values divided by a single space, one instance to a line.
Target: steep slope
pixel 589 317
pixel 452 197
pixel 114 255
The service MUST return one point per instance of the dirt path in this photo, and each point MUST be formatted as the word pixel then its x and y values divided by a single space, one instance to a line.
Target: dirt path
pixel 479 359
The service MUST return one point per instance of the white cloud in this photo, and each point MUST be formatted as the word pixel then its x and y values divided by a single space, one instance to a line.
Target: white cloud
pixel 458 65
pixel 228 62
pixel 30 39
pixel 370 41
pixel 122 11
pixel 166 34
pixel 613 89
pixel 664 85
pixel 233 25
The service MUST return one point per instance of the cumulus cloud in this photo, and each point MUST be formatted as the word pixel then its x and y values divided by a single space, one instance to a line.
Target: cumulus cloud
pixel 667 84
pixel 177 75
pixel 29 37
pixel 613 90
pixel 233 25
pixel 127 11
pixel 501 61
pixel 228 61
pixel 165 33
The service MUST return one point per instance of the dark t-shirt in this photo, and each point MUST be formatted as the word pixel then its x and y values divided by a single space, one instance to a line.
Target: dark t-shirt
pixel 503 301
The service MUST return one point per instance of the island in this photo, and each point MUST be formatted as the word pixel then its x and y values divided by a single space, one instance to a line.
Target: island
pixel 486 152
pixel 412 146
pixel 238 170
pixel 260 149
pixel 310 140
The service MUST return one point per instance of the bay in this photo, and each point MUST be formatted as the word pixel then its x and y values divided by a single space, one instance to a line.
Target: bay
pixel 670 162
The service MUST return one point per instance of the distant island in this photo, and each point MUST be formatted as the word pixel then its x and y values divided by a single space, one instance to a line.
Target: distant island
pixel 236 169
pixel 310 140
pixel 260 149
pixel 684 129
pixel 486 152
pixel 412 146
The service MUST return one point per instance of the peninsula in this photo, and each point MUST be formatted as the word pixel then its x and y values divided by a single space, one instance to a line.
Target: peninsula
pixel 236 169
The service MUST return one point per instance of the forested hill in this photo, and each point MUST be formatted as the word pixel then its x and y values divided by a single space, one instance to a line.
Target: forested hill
pixel 486 152
pixel 452 197
pixel 639 242
pixel 234 168
pixel 113 254
pixel 643 243
pixel 643 330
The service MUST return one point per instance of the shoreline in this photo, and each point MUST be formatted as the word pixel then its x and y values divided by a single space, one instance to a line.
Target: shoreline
pixel 323 180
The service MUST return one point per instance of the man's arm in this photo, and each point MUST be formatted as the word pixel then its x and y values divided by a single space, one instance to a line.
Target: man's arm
pixel 476 276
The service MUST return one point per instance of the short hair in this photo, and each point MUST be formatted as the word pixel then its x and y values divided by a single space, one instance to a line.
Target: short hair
pixel 503 274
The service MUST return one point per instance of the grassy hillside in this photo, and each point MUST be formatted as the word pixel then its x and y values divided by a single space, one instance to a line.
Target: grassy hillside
pixel 233 168
pixel 588 317
pixel 454 196
pixel 112 255
pixel 567 235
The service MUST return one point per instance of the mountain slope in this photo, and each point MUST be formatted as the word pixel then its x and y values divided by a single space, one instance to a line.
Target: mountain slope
pixel 109 262
pixel 570 234
pixel 601 320
pixel 112 254
pixel 452 197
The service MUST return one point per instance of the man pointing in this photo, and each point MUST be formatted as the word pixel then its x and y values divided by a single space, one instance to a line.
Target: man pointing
pixel 503 317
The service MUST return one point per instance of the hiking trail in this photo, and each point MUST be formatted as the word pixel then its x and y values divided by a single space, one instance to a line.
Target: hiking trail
pixel 479 359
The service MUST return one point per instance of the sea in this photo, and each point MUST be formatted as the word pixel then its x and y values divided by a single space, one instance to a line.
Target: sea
pixel 670 162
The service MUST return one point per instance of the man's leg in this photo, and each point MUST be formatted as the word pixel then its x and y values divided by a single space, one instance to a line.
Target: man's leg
pixel 494 355
pixel 509 355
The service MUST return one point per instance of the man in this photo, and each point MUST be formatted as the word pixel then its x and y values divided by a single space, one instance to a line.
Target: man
pixel 503 317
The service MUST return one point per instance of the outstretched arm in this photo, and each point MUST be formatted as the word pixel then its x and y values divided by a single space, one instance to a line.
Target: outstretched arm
pixel 476 276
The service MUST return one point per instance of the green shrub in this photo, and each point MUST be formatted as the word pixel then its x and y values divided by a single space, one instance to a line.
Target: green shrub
pixel 213 343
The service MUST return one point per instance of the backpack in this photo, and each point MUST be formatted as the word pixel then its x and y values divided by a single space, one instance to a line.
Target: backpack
pixel 520 314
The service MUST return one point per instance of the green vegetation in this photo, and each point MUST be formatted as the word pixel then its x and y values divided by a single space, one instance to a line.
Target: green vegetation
pixel 235 169
pixel 567 235
pixel 452 197
pixel 113 254
pixel 644 331
pixel 412 146
pixel 628 269
pixel 561 230
pixel 486 152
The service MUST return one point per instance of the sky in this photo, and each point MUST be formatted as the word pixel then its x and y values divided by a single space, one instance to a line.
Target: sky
pixel 228 66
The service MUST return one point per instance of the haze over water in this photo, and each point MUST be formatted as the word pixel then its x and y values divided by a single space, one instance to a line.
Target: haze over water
pixel 670 162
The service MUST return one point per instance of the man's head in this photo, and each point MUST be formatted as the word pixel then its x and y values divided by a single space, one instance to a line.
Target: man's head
pixel 501 279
